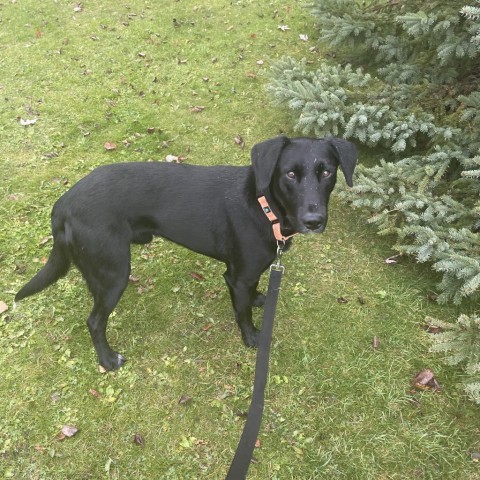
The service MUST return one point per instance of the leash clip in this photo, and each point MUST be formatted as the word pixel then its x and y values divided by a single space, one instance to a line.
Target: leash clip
pixel 277 265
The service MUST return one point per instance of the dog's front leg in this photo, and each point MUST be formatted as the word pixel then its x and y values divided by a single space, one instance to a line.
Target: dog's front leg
pixel 243 295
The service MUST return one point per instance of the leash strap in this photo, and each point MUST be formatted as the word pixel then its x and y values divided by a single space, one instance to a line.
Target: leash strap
pixel 243 456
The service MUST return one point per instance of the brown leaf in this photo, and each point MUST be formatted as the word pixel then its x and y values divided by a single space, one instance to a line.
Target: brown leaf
pixel 174 159
pixel 376 343
pixel 425 380
pixel 109 146
pixel 431 327
pixel 93 392
pixel 207 327
pixel 342 300
pixel 184 399
pixel 67 431
pixel 38 33
pixel 197 276
pixel 197 109
pixel 257 443
pixel 45 240
pixel 138 440
pixel 432 297
pixel 3 307
pixel 240 141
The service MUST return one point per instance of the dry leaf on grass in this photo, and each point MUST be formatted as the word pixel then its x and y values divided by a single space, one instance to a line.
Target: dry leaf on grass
pixel 3 307
pixel 109 146
pixel 67 431
pixel 425 380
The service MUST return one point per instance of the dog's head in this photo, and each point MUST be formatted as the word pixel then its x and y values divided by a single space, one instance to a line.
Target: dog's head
pixel 299 174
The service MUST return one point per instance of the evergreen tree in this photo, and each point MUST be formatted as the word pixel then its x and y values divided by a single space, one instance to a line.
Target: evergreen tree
pixel 461 344
pixel 420 99
pixel 409 85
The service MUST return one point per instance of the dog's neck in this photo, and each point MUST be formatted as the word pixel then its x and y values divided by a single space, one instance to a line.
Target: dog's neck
pixel 281 231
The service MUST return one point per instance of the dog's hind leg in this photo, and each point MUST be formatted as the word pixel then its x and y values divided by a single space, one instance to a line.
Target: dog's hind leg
pixel 107 279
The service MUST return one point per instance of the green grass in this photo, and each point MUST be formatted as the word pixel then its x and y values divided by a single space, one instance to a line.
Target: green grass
pixel 336 408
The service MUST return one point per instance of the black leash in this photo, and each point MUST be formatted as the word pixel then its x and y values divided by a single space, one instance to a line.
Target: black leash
pixel 243 456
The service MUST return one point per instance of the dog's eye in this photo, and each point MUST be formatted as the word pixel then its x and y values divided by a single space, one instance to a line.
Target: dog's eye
pixel 326 173
pixel 291 175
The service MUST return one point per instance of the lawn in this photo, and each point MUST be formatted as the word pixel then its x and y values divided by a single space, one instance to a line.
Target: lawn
pixel 85 84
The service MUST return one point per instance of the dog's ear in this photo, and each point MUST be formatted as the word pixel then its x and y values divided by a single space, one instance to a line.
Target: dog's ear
pixel 347 157
pixel 264 160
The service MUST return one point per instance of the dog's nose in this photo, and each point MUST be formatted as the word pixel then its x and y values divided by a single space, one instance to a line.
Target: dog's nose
pixel 313 221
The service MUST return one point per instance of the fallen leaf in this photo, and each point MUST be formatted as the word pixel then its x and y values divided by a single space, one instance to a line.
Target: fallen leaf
pixel 432 297
pixel 138 440
pixel 425 380
pixel 475 456
pixel 93 392
pixel 260 62
pixel 55 397
pixel 102 369
pixel 67 431
pixel 430 327
pixel 28 122
pixel 151 130
pixel 3 307
pixel 393 260
pixel 172 159
pixel 38 33
pixel 78 7
pixel 45 240
pixel 207 327
pixel 184 399
pixel 342 300
pixel 240 141
pixel 257 443
pixel 375 343
pixel 197 276
pixel 304 37
pixel 109 146
pixel 197 109
pixel 283 28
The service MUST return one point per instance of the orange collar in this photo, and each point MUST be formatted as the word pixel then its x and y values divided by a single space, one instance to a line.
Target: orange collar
pixel 273 220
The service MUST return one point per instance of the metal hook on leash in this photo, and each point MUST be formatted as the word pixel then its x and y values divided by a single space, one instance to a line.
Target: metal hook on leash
pixel 277 265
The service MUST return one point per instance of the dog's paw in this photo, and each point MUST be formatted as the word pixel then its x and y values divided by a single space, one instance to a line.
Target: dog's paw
pixel 259 300
pixel 113 361
pixel 250 338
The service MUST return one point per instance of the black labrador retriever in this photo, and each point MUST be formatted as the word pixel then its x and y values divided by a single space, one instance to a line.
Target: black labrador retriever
pixel 212 210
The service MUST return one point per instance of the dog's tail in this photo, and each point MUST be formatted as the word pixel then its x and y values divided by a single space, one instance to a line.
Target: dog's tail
pixel 56 267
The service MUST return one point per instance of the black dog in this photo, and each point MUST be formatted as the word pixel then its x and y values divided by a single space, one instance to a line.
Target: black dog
pixel 211 210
